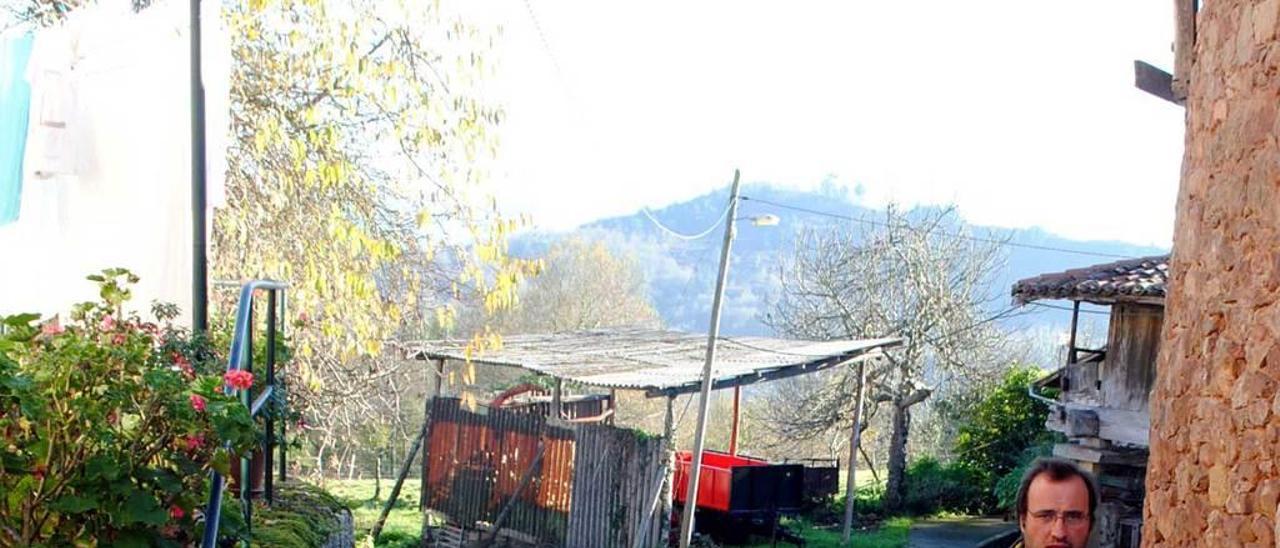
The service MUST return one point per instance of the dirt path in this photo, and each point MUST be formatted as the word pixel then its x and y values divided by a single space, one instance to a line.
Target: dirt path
pixel 955 533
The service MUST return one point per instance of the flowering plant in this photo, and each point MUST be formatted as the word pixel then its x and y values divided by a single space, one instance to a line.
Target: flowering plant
pixel 110 428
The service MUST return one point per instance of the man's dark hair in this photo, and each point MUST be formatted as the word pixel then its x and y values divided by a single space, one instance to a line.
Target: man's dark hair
pixel 1058 470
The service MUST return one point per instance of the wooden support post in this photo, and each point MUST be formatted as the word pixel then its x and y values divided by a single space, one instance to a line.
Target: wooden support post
pixel 408 462
pixel 524 482
pixel 854 444
pixel 613 406
pixel 1071 342
pixel 737 414
pixel 668 490
pixel 557 410
pixel 1184 43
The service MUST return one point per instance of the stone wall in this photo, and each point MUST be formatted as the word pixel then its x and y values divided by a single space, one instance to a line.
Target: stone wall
pixel 345 536
pixel 1213 478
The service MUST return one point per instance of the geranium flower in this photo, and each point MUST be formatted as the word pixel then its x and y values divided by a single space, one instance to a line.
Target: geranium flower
pixel 193 442
pixel 108 323
pixel 197 402
pixel 239 379
pixel 119 339
pixel 176 512
pixel 52 327
pixel 183 363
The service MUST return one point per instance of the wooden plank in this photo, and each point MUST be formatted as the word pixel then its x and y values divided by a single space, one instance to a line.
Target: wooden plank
pixel 1133 340
pixel 1083 454
pixel 1155 81
pixel 1184 41
pixel 1082 422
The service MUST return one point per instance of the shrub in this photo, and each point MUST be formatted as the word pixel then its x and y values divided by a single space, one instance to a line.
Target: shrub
pixel 1006 489
pixel 933 487
pixel 997 429
pixel 110 429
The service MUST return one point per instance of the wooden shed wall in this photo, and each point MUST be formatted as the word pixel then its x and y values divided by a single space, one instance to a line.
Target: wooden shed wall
pixel 1133 341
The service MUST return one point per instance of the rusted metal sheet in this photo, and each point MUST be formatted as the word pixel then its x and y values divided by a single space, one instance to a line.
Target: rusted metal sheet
pixel 595 486
pixel 616 488
pixel 475 462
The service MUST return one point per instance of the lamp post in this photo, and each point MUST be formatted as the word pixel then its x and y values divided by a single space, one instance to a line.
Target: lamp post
pixel 713 332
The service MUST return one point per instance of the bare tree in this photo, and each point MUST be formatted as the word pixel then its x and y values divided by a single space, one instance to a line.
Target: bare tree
pixel 916 276
pixel 584 286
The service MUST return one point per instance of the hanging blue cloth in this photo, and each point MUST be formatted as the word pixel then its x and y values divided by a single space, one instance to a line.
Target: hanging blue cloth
pixel 15 100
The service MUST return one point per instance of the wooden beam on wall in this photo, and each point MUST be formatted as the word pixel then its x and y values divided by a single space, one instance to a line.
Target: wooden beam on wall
pixel 1155 81
pixel 1184 42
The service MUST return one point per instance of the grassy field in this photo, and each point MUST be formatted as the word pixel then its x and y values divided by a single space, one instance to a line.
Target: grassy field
pixel 404 524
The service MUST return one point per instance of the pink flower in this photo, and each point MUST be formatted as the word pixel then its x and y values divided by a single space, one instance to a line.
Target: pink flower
pixel 52 327
pixel 239 379
pixel 108 323
pixel 184 364
pixel 193 442
pixel 176 511
pixel 119 339
pixel 197 402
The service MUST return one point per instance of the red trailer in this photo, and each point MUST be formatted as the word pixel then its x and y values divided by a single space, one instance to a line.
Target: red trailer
pixel 739 485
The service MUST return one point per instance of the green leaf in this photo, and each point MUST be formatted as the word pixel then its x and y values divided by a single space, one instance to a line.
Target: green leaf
pixel 143 508
pixel 74 504
pixel 20 320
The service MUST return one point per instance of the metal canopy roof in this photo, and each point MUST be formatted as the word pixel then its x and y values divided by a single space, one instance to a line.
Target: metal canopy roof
pixel 662 363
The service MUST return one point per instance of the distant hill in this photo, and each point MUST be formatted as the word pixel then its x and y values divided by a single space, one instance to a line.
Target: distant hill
pixel 681 274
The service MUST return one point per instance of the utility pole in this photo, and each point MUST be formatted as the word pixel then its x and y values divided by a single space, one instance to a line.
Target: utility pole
pixel 851 486
pixel 699 438
pixel 199 252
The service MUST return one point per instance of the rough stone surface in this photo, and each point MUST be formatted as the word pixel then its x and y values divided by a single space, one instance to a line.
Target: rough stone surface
pixel 1213 479
pixel 345 536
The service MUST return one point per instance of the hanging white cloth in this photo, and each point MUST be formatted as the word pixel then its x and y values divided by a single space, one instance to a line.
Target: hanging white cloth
pixel 123 200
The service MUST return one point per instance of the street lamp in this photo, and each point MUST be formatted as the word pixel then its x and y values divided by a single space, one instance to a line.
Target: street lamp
pixel 704 399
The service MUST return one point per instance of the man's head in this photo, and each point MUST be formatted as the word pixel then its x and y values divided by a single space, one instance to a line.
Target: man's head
pixel 1056 504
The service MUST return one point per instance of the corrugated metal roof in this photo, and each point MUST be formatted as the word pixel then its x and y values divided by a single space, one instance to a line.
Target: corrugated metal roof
pixel 1134 280
pixel 658 361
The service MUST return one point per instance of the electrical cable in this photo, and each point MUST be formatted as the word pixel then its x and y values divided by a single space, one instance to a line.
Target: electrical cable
pixel 951 234
pixel 686 237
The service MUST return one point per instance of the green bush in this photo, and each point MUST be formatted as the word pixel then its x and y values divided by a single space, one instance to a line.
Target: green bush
pixel 1001 425
pixel 868 504
pixel 1006 489
pixel 933 487
pixel 110 430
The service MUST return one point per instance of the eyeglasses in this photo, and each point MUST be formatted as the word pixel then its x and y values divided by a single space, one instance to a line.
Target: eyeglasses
pixel 1072 518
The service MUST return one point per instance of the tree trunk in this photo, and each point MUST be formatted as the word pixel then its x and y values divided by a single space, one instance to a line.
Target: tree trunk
pixel 896 488
pixel 377 477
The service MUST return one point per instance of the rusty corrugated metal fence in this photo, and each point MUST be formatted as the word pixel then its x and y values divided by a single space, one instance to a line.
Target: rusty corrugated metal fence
pixel 593 488
pixel 617 479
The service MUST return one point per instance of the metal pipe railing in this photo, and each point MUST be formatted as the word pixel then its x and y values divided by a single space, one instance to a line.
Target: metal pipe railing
pixel 241 358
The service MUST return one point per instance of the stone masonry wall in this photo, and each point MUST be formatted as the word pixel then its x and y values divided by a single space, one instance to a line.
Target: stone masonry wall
pixel 1214 478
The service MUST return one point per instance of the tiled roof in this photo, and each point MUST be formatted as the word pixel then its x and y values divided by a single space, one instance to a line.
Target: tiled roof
pixel 1131 280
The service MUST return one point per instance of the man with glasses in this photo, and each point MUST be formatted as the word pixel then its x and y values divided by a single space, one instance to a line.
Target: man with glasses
pixel 1056 504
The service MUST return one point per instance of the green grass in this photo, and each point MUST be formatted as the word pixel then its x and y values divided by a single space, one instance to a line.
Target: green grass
pixel 404 524
pixel 891 533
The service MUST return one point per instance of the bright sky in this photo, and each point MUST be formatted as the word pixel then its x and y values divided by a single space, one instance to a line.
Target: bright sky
pixel 1022 113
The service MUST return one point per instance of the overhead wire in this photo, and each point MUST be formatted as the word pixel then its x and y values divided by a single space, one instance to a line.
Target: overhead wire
pixel 951 234
pixel 686 237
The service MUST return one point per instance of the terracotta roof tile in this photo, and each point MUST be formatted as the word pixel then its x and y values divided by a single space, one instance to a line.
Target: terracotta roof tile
pixel 1130 280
